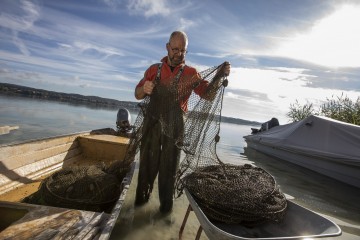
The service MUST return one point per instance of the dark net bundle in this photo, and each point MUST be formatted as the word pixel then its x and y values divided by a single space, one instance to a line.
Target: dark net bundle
pixel 91 188
pixel 236 194
pixel 227 193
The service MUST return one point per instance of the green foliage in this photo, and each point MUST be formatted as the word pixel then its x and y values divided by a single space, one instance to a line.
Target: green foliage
pixel 340 108
pixel 298 112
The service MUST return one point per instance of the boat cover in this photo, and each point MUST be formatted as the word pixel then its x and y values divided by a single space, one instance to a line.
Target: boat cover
pixel 315 136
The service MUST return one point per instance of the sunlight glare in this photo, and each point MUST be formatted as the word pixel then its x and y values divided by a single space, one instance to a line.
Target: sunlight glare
pixel 333 41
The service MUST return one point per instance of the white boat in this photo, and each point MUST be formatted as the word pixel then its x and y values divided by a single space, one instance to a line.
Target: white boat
pixel 298 223
pixel 24 165
pixel 321 144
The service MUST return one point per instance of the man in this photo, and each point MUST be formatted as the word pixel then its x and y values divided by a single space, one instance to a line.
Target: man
pixel 158 152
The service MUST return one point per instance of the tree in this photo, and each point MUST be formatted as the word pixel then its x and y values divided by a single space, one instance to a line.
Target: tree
pixel 343 109
pixel 340 108
pixel 298 112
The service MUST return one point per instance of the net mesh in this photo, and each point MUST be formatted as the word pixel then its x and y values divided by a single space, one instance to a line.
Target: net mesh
pixel 91 188
pixel 228 193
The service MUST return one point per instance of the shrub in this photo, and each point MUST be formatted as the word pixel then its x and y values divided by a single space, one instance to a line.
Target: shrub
pixel 340 108
pixel 298 112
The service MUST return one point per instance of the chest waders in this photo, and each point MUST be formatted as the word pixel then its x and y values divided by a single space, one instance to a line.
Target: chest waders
pixel 158 152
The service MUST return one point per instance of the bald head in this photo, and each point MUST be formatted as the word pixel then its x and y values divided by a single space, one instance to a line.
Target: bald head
pixel 177 48
pixel 179 35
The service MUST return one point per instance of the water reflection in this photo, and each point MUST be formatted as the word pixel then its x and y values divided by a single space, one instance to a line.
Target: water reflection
pixel 146 222
pixel 38 119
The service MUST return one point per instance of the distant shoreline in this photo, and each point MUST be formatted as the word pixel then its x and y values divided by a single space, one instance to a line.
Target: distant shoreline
pixel 76 99
pixel 90 101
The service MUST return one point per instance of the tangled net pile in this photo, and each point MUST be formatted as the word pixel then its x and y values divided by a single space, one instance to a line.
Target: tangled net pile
pixel 225 192
pixel 91 188
pixel 236 194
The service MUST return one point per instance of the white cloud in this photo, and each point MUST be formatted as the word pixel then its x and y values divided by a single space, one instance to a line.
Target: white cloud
pixel 149 8
pixel 260 94
pixel 107 51
pixel 20 44
pixel 111 3
pixel 333 41
pixel 274 80
pixel 186 24
pixel 32 13
pixel 27 14
pixel 21 22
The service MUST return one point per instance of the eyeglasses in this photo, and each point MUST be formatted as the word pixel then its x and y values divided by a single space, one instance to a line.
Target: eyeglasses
pixel 177 50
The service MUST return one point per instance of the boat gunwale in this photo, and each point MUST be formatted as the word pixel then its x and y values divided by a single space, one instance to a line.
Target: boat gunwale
pixel 16 143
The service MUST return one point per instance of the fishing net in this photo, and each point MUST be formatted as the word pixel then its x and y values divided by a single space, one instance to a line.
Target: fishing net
pixel 236 194
pixel 228 193
pixel 225 192
pixel 91 188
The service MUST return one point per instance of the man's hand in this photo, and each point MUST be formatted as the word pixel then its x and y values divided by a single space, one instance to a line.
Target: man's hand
pixel 223 70
pixel 148 87
pixel 226 68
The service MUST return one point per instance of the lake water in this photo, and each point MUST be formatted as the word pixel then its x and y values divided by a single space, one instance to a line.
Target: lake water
pixel 37 118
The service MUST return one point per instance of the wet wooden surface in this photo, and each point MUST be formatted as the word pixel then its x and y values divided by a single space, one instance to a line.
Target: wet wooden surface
pixel 42 222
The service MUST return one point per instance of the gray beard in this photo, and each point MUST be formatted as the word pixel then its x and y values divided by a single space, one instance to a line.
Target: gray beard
pixel 174 62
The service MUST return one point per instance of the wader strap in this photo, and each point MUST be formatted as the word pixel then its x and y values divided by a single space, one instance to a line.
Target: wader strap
pixel 179 73
pixel 158 74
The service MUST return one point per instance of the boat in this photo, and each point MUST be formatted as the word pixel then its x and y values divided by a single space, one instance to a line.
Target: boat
pixel 298 223
pixel 321 144
pixel 24 165
pixel 7 129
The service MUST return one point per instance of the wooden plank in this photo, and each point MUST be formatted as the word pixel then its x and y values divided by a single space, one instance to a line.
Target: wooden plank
pixel 13 192
pixel 66 227
pixel 38 221
pixel 92 233
pixel 93 223
pixel 107 138
pixel 24 158
pixel 8 184
pixel 46 235
pixel 104 148
pixel 36 145
pixel 10 180
pixel 72 232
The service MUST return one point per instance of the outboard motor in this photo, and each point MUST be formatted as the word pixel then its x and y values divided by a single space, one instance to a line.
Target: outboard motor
pixel 266 126
pixel 269 124
pixel 123 121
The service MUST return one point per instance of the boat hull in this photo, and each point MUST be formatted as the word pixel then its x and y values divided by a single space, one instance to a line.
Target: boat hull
pixel 349 174
pixel 321 144
pixel 23 165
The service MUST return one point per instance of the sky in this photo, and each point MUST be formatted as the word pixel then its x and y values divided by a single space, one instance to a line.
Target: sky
pixel 281 51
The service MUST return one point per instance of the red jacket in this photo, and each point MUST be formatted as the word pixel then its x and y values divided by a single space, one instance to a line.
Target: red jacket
pixel 166 73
